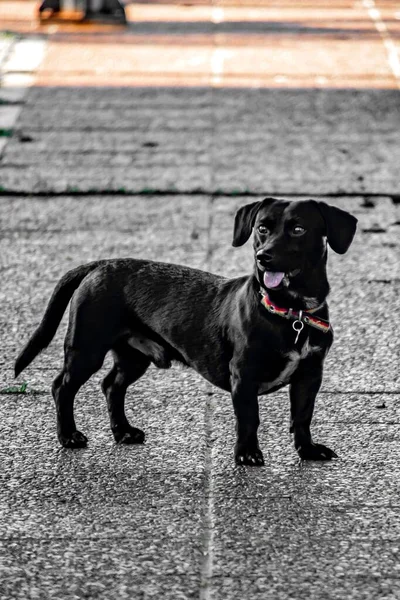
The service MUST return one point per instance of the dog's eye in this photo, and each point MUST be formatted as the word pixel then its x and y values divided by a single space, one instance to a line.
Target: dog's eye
pixel 298 230
pixel 262 229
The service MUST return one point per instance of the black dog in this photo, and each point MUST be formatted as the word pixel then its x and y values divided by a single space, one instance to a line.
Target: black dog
pixel 249 336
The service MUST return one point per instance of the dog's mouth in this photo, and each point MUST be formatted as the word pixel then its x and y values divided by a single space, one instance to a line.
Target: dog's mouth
pixel 273 279
pixel 277 279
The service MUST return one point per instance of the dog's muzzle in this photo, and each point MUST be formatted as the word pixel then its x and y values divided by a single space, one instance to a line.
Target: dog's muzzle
pixel 272 277
pixel 264 259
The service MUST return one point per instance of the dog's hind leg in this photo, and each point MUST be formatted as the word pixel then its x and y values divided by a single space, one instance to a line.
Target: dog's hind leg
pixel 78 368
pixel 129 366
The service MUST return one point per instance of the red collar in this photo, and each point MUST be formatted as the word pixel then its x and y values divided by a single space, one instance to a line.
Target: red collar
pixel 303 316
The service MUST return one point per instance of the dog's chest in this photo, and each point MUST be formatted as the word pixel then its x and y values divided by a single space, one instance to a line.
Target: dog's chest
pixel 289 365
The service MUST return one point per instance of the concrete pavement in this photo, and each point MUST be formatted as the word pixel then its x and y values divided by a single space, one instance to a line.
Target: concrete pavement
pixel 152 165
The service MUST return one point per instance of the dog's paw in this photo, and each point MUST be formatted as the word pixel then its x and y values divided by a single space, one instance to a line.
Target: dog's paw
pixel 132 436
pixel 316 452
pixel 74 440
pixel 251 457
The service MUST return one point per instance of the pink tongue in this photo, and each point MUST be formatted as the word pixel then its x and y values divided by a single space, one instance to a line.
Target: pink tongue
pixel 272 280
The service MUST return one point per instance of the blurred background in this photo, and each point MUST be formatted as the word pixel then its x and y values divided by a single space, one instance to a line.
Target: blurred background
pixel 275 97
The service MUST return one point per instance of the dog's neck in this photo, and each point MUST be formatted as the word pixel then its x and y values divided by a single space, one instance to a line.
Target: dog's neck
pixel 306 291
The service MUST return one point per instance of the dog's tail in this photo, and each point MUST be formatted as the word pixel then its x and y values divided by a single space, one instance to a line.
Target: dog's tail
pixel 54 312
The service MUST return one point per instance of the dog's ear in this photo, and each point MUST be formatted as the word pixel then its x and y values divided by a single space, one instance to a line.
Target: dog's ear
pixel 340 227
pixel 244 221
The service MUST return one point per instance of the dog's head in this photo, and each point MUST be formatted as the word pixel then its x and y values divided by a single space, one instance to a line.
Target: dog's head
pixel 290 242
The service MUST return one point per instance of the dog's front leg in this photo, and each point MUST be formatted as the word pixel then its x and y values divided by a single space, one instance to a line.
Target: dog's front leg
pixel 245 403
pixel 304 388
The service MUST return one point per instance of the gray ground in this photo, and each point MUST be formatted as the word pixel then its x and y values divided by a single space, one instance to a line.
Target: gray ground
pixel 175 518
pixel 209 140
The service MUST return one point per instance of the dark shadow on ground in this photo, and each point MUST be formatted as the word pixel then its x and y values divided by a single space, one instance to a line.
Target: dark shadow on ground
pixel 204 139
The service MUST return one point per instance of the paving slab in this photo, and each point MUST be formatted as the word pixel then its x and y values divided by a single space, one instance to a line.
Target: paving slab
pixel 266 141
pixel 9 92
pixel 300 528
pixel 26 55
pixel 14 86
pixel 365 349
pixel 303 584
pixel 144 216
pixel 365 448
pixel 132 512
pixel 67 232
pixel 151 405
pixel 72 568
pixel 6 42
pixel 271 150
pixel 8 116
pixel 335 523
pixel 63 233
pixel 149 119
pixel 3 142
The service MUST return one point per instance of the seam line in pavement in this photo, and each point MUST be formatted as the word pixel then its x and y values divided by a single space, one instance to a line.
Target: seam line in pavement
pixel 123 537
pixel 208 519
pixel 7 54
pixel 196 192
pixel 210 390
pixel 390 46
pixel 210 224
pixel 209 510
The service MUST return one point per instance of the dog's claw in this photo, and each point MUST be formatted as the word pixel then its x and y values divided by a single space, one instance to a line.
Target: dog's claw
pixel 251 458
pixel 75 440
pixel 316 452
pixel 133 436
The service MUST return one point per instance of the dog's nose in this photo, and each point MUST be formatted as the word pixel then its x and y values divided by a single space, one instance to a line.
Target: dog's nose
pixel 264 258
